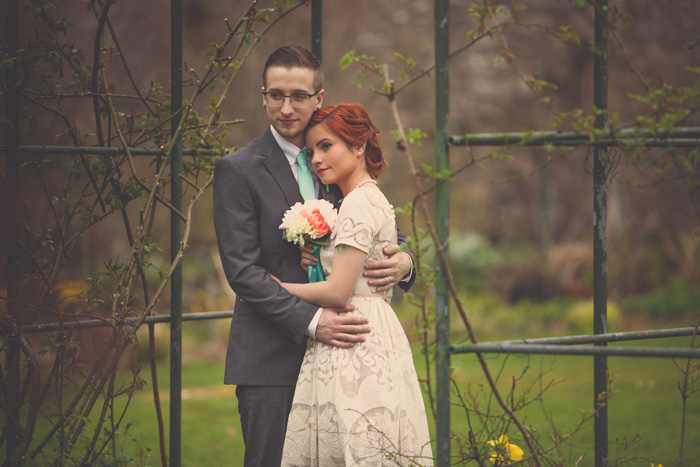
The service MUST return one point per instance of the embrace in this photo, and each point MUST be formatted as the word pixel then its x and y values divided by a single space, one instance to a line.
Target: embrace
pixel 323 369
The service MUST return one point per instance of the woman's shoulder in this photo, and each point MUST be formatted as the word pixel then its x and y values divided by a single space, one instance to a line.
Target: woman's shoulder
pixel 368 193
pixel 368 200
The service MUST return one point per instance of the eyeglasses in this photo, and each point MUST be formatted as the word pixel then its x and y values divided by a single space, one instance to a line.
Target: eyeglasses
pixel 297 99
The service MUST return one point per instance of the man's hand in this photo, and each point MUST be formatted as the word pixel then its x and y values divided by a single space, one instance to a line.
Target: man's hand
pixel 337 328
pixel 386 273
pixel 307 258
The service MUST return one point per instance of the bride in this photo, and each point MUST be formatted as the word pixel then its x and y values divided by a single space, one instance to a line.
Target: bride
pixel 362 405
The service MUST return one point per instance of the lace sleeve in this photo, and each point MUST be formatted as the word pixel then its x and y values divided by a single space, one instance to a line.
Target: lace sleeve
pixel 358 222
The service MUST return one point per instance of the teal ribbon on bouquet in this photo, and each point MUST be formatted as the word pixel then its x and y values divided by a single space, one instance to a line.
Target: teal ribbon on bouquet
pixel 315 272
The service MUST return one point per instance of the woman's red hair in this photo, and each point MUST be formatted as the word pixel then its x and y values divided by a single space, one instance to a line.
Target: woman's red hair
pixel 352 124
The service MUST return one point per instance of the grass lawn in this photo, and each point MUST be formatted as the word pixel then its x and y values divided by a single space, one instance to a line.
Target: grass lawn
pixel 210 425
pixel 644 413
pixel 644 409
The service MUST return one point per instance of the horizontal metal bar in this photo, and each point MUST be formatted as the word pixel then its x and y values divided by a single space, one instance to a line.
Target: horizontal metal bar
pixel 609 337
pixel 576 350
pixel 649 143
pixel 98 323
pixel 684 136
pixel 106 151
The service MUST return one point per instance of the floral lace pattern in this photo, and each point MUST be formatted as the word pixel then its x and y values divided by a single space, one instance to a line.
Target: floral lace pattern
pixel 330 435
pixel 349 232
pixel 371 439
pixel 376 358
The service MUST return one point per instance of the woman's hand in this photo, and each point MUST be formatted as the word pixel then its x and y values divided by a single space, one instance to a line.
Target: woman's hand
pixel 307 258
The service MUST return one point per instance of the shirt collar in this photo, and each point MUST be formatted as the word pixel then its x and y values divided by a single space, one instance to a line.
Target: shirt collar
pixel 290 150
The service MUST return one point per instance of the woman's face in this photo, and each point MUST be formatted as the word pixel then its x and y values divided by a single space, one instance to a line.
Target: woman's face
pixel 332 159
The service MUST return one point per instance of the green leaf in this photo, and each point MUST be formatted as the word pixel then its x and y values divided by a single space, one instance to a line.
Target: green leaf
pixel 350 58
pixel 415 136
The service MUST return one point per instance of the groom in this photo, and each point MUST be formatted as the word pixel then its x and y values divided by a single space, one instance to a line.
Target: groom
pixel 253 188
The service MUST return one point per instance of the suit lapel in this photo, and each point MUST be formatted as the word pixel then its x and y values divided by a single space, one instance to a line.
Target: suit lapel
pixel 278 166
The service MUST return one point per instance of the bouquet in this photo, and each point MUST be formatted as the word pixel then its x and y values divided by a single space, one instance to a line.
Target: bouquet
pixel 310 222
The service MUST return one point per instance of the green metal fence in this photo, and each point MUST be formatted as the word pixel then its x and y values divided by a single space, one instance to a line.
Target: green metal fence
pixel 564 345
pixel 567 345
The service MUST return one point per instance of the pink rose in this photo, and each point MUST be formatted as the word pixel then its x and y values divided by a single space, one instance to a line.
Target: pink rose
pixel 318 223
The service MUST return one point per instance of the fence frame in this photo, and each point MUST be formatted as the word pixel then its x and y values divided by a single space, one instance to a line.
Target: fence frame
pixel 443 142
pixel 688 137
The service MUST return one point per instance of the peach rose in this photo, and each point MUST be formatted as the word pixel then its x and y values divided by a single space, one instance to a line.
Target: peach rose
pixel 318 223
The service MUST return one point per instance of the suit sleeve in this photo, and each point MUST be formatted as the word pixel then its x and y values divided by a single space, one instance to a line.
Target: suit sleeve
pixel 406 285
pixel 237 224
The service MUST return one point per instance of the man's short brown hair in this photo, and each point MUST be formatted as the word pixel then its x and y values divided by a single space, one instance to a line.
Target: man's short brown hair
pixel 290 56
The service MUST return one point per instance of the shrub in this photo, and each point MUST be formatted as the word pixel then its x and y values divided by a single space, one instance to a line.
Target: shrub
pixel 579 317
pixel 529 281
pixel 677 300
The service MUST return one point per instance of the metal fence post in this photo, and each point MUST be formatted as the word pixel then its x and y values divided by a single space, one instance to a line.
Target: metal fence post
pixel 442 223
pixel 176 235
pixel 12 420
pixel 600 248
pixel 317 29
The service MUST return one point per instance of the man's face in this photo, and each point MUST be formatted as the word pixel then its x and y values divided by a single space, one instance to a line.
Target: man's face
pixel 291 120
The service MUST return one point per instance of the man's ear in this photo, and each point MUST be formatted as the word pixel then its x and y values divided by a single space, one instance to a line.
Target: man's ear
pixel 319 99
pixel 264 100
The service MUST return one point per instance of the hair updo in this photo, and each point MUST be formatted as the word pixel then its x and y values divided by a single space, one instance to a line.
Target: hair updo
pixel 353 125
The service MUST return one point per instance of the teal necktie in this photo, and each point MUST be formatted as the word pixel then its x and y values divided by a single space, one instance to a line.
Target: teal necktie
pixel 306 181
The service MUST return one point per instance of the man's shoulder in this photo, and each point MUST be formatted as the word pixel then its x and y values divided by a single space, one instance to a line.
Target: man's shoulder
pixel 252 148
pixel 259 146
pixel 242 156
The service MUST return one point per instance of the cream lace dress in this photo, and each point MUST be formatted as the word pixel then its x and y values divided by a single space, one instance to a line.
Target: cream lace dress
pixel 360 406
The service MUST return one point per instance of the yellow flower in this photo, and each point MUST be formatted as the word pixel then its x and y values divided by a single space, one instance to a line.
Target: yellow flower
pixel 504 451
pixel 652 465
